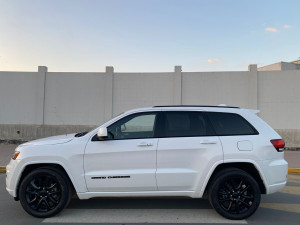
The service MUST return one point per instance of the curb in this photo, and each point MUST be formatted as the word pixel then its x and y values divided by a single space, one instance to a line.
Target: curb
pixel 2 169
pixel 294 170
pixel 290 170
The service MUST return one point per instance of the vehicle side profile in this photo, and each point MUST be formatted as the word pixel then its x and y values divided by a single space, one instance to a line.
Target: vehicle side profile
pixel 228 153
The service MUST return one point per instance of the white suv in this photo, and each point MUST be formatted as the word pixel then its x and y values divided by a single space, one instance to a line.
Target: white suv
pixel 227 152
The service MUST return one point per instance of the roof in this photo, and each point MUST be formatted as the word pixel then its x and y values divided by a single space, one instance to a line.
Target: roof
pixel 209 106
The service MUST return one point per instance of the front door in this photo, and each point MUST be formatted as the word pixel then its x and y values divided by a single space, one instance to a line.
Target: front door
pixel 126 161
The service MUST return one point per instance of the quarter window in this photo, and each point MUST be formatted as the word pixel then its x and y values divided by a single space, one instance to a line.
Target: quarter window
pixel 230 124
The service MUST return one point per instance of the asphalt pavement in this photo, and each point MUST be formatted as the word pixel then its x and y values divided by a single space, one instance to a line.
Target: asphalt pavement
pixel 275 209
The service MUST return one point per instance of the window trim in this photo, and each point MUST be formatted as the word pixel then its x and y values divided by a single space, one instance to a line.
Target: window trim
pixel 159 128
pixel 155 130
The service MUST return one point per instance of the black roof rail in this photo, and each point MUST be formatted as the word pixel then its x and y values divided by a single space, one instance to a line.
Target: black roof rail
pixel 164 106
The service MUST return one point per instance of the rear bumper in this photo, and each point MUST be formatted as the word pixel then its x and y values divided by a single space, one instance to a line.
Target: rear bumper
pixel 276 187
pixel 276 172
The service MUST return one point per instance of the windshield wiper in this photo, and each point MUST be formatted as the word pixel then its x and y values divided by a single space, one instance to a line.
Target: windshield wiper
pixel 81 134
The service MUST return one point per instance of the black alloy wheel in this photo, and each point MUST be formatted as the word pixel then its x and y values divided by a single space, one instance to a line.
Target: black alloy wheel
pixel 44 192
pixel 234 194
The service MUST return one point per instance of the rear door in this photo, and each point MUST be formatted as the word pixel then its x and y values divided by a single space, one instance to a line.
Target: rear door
pixel 187 149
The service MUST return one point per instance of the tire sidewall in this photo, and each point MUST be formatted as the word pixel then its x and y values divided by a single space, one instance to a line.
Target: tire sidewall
pixel 219 180
pixel 63 184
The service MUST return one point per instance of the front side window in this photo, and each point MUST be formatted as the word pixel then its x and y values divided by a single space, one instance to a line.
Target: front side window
pixel 141 125
pixel 185 124
pixel 230 124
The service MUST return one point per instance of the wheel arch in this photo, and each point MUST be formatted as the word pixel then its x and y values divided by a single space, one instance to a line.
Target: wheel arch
pixel 33 166
pixel 248 167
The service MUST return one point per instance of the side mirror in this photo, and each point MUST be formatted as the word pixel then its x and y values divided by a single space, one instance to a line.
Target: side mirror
pixel 123 127
pixel 102 133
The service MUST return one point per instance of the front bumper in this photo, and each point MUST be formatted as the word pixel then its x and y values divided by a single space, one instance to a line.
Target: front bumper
pixel 12 177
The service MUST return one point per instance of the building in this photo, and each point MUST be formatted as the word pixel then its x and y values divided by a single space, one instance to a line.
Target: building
pixel 281 66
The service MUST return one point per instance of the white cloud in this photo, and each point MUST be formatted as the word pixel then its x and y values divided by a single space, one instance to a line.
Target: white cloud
pixel 271 29
pixel 287 26
pixel 214 60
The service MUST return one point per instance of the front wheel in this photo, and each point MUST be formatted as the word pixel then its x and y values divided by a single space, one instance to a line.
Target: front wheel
pixel 44 192
pixel 234 194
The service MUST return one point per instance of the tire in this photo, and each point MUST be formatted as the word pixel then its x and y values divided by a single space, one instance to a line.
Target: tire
pixel 45 192
pixel 234 194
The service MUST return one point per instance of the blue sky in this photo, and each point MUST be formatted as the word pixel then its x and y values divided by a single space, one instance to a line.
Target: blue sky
pixel 148 36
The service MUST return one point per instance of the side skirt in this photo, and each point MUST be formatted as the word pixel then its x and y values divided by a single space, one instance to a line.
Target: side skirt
pixel 88 195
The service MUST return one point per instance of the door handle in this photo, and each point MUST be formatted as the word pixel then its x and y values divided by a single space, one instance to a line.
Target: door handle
pixel 144 144
pixel 208 142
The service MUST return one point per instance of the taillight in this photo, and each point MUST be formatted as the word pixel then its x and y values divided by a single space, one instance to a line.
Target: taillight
pixel 278 144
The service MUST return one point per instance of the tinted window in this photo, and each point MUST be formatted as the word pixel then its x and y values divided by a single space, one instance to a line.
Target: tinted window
pixel 230 124
pixel 184 124
pixel 139 125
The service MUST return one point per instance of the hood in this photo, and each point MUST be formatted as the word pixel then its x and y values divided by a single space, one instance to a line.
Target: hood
pixel 54 140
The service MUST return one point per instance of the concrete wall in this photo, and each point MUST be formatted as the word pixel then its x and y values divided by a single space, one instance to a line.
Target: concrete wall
pixel 279 102
pixel 213 88
pixel 279 98
pixel 141 90
pixel 21 97
pixel 38 104
pixel 75 98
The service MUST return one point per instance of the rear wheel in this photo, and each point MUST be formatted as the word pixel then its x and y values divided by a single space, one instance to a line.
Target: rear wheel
pixel 234 194
pixel 44 192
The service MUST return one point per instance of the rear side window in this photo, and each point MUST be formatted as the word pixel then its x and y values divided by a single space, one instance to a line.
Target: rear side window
pixel 230 124
pixel 185 124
